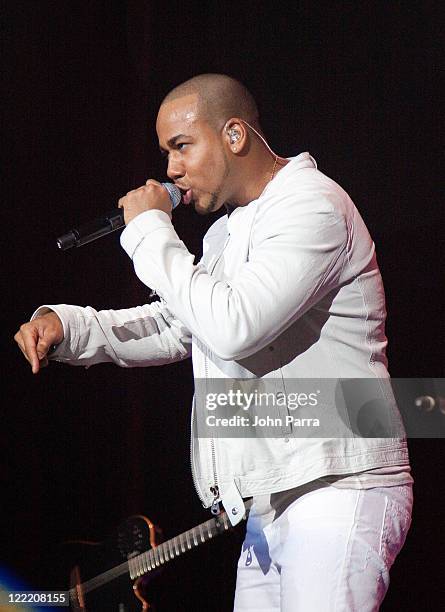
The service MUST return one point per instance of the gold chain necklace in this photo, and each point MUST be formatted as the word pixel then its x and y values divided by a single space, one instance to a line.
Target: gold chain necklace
pixel 274 168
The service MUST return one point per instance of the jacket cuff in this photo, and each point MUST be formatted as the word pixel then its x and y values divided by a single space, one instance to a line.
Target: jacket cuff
pixel 141 226
pixel 70 332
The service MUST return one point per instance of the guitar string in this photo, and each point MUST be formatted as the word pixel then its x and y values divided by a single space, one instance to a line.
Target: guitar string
pixel 124 567
pixel 213 527
pixel 162 550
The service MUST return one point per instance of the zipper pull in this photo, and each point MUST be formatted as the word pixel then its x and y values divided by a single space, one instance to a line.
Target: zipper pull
pixel 215 509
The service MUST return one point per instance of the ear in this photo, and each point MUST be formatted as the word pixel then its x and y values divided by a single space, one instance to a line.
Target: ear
pixel 235 135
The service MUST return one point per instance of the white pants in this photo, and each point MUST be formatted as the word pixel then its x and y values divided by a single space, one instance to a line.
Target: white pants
pixel 329 550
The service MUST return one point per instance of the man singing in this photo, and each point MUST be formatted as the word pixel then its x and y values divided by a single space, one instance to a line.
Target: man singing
pixel 288 288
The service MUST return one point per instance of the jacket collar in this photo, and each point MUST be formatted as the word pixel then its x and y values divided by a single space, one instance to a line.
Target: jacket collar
pixel 301 161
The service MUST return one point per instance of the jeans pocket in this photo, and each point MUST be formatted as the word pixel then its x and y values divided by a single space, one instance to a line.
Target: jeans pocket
pixel 396 522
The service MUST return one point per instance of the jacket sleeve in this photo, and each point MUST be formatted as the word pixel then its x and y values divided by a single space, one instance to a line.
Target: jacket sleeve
pixel 298 249
pixel 134 337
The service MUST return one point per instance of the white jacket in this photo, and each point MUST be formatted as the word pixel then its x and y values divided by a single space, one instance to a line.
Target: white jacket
pixel 288 288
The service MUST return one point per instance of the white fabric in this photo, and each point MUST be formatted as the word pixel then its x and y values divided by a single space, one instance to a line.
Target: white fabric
pixel 388 476
pixel 288 287
pixel 330 550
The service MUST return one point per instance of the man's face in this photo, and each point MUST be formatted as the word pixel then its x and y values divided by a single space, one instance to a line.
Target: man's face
pixel 197 161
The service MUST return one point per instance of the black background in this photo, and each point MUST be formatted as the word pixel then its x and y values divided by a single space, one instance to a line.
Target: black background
pixel 352 82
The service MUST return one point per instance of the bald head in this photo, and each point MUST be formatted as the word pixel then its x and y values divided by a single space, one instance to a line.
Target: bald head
pixel 214 154
pixel 219 98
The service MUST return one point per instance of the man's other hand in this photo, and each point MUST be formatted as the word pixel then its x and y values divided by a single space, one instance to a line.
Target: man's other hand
pixel 37 337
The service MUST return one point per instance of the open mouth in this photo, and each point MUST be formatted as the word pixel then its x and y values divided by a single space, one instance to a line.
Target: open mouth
pixel 187 197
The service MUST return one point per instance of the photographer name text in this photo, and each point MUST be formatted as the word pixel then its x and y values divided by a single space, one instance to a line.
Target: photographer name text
pixel 257 421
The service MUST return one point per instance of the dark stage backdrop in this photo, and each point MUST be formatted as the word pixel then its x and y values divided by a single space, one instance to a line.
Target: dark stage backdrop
pixel 353 83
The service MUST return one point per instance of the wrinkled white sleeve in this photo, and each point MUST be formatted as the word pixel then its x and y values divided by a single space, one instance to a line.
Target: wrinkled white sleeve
pixel 134 337
pixel 298 252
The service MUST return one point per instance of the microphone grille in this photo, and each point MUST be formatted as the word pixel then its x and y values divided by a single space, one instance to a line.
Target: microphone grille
pixel 174 193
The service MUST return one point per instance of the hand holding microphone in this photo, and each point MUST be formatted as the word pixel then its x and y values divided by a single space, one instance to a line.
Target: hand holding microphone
pixel 151 196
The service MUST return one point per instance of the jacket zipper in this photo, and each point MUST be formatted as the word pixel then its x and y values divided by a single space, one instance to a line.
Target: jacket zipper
pixel 195 482
pixel 214 489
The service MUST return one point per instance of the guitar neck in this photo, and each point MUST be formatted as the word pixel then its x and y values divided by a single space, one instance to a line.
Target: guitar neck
pixel 161 554
pixel 158 555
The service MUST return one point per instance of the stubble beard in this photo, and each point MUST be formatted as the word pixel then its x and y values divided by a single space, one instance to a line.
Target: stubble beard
pixel 214 203
pixel 210 207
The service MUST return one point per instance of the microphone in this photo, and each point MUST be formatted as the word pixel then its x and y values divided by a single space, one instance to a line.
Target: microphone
pixel 106 224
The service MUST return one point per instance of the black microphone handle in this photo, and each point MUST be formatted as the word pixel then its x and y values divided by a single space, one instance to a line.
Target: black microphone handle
pixel 106 224
pixel 92 230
